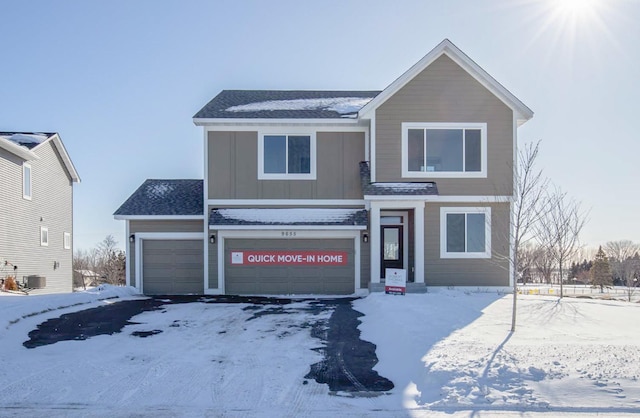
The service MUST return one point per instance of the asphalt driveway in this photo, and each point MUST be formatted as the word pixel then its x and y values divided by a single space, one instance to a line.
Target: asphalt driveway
pixel 347 364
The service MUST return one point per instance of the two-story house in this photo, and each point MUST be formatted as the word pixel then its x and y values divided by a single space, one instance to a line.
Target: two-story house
pixel 319 192
pixel 36 210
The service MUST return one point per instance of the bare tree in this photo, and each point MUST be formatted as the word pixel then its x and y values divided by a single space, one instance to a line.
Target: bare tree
pixel 559 230
pixel 544 263
pixel 526 210
pixel 623 262
pixel 111 261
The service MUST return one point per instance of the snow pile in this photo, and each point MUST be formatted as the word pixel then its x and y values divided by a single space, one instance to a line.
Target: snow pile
pixel 14 308
pixel 341 105
pixel 159 190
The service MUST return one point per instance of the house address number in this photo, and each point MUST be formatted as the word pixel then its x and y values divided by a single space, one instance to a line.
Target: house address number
pixel 288 233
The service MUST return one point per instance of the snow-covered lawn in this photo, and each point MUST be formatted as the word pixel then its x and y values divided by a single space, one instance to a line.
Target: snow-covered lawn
pixel 448 353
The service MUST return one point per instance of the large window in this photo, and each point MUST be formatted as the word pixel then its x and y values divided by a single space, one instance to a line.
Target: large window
pixel 444 149
pixel 286 157
pixel 26 181
pixel 465 232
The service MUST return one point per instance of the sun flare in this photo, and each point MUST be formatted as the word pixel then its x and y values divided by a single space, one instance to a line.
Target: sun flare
pixel 576 9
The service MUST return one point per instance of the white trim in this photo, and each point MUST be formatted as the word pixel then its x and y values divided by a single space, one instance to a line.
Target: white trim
pixel 443 174
pixel 224 235
pixel 311 175
pixel 205 210
pixel 372 158
pixel 20 151
pixel 224 122
pixel 141 236
pixel 127 254
pixel 405 234
pixel 418 243
pixel 66 240
pixel 443 199
pixel 523 113
pixel 65 157
pixel 25 167
pixel 287 227
pixel 159 217
pixel 374 242
pixel 249 125
pixel 444 211
pixel 44 236
pixel 286 202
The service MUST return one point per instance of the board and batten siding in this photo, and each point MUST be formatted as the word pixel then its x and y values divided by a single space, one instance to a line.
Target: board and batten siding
pixel 492 271
pixel 233 168
pixel 51 206
pixel 446 93
pixel 156 226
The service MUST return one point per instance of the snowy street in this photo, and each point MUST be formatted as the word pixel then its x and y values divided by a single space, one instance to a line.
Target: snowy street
pixel 448 353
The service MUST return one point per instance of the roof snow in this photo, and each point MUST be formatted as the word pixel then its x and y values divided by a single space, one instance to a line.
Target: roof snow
pixel 289 216
pixel 341 105
pixel 27 140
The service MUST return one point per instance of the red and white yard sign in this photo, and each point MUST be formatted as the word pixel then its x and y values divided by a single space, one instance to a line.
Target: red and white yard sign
pixel 395 281
pixel 288 258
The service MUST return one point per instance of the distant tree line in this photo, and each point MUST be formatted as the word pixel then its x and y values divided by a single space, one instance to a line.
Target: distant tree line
pixel 104 263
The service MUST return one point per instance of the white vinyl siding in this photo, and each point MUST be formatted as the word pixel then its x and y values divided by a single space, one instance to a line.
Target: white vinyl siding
pixel 443 150
pixel 465 232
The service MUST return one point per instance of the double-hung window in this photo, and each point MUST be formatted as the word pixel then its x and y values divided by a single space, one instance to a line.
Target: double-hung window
pixel 444 150
pixel 26 181
pixel 287 156
pixel 465 232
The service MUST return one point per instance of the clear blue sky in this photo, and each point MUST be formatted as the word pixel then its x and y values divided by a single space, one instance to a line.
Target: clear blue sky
pixel 120 81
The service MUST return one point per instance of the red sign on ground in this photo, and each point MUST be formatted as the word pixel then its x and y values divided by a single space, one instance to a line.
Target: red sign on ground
pixel 288 258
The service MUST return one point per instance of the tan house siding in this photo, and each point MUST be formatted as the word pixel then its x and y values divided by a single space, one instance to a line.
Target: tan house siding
pixel 51 207
pixel 233 171
pixel 467 272
pixel 444 92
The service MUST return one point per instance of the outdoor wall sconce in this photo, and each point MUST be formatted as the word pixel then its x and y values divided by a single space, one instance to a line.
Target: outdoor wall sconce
pixel 132 238
pixel 365 237
pixel 56 265
pixel 212 239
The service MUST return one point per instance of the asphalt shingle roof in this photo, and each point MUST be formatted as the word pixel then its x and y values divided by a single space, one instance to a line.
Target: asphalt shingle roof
pixel 28 140
pixel 289 216
pixel 284 104
pixel 426 188
pixel 165 197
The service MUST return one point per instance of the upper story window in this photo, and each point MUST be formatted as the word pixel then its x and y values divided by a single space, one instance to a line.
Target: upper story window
pixel 465 232
pixel 66 240
pixel 444 150
pixel 282 156
pixel 26 181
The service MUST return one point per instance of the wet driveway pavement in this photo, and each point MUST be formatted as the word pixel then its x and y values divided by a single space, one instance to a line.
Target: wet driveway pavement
pixel 347 364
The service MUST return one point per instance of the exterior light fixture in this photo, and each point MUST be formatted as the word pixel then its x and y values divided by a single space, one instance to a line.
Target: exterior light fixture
pixel 365 237
pixel 212 239
pixel 132 238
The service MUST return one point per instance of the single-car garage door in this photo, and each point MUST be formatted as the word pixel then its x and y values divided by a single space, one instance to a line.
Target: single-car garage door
pixel 172 267
pixel 289 266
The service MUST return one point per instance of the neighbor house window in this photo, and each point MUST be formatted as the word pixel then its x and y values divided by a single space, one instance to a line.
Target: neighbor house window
pixel 465 232
pixel 26 181
pixel 67 241
pixel 444 150
pixel 286 156
pixel 44 236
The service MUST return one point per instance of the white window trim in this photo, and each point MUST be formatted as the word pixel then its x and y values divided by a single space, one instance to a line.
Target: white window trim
pixel 295 176
pixel 44 236
pixel 444 174
pixel 66 240
pixel 25 167
pixel 444 211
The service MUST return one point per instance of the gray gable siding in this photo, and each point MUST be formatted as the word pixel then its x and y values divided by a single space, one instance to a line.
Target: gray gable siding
pixel 444 92
pixel 50 206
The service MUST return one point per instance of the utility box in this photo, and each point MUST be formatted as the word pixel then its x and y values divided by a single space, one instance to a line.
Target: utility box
pixel 36 282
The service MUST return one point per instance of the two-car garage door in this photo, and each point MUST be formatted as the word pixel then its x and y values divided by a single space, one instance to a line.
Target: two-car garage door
pixel 289 266
pixel 172 267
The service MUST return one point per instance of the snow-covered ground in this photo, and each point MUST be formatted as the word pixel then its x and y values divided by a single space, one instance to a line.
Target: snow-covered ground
pixel 449 354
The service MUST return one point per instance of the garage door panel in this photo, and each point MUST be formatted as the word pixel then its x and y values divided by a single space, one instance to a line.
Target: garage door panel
pixel 292 278
pixel 172 267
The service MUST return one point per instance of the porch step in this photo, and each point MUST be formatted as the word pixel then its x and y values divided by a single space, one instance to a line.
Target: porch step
pixel 411 287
